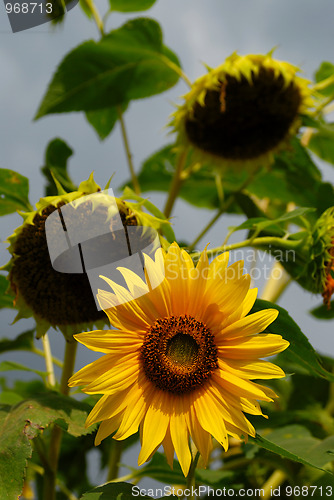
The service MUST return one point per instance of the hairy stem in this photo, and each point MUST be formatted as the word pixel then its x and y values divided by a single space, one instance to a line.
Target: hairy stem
pixel 96 15
pixel 50 477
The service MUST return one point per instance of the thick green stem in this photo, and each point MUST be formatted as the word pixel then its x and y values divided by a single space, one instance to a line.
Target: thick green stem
pixel 50 477
pixel 176 183
pixel 114 459
pixel 191 480
pixel 134 178
pixel 48 361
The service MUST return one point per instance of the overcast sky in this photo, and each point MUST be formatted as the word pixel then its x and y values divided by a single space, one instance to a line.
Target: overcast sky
pixel 198 31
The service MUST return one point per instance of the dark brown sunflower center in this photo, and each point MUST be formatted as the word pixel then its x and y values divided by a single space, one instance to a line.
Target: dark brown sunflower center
pixel 244 120
pixel 62 298
pixel 179 354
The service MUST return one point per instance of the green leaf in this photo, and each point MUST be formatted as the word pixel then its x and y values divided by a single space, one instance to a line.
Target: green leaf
pixel 21 423
pixel 260 223
pixel 131 5
pixel 129 63
pixel 300 350
pixel 159 470
pixel 104 120
pixel 23 342
pixel 117 491
pixel 294 177
pixel 325 70
pixel 296 443
pixel 6 366
pixel 322 312
pixel 6 301
pixel 322 143
pixel 14 190
pixel 56 156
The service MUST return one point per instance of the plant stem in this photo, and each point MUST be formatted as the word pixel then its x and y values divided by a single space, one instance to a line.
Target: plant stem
pixel 39 352
pixel 50 477
pixel 275 286
pixel 96 15
pixel 277 478
pixel 191 481
pixel 114 459
pixel 224 206
pixel 220 212
pixel 127 151
pixel 255 242
pixel 48 361
pixel 177 70
pixel 176 182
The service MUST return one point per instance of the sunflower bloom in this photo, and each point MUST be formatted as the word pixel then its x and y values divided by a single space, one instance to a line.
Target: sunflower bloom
pixel 180 363
pixel 243 112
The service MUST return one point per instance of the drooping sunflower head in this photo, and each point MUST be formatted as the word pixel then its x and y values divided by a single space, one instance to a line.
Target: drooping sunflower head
pixel 243 111
pixel 49 267
pixel 182 358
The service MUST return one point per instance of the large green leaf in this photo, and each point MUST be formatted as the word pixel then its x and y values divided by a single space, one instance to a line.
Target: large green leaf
pixel 129 63
pixel 56 156
pixel 118 491
pixel 23 342
pixel 300 350
pixel 104 120
pixel 131 5
pixel 296 443
pixel 14 190
pixel 21 423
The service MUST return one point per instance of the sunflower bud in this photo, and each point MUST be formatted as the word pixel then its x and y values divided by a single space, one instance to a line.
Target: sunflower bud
pixel 244 111
pixel 312 264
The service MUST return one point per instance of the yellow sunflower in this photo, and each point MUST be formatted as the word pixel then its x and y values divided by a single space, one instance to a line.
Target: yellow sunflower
pixel 244 111
pixel 180 363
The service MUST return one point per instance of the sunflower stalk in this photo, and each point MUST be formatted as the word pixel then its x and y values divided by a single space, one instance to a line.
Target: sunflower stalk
pixel 191 481
pixel 50 477
pixel 277 283
pixel 275 480
pixel 114 459
pixel 176 183
pixel 134 178
pixel 48 361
